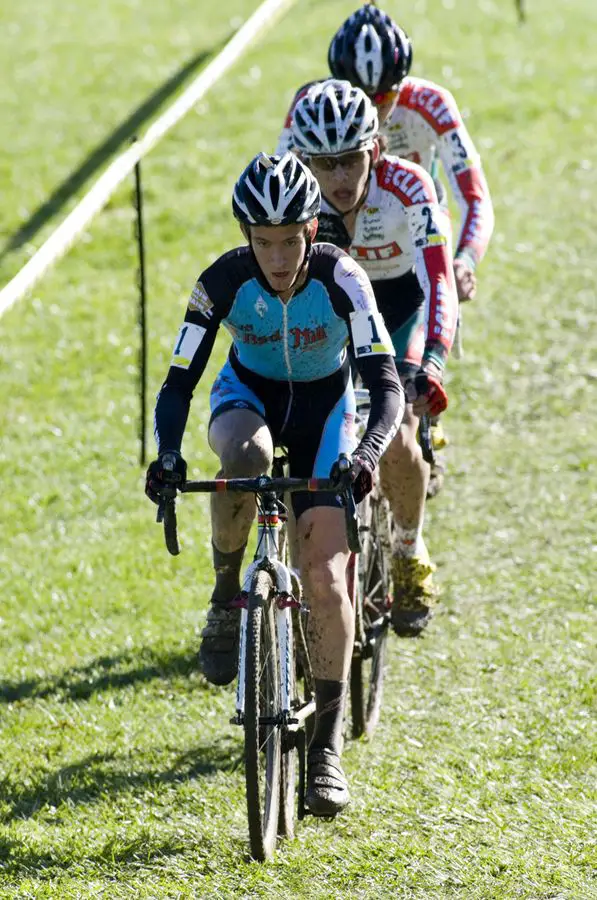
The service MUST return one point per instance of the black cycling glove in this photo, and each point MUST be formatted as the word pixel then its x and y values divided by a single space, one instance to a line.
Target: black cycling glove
pixel 168 469
pixel 358 475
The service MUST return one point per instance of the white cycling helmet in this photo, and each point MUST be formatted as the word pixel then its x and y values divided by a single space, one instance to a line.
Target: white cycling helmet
pixel 276 190
pixel 332 118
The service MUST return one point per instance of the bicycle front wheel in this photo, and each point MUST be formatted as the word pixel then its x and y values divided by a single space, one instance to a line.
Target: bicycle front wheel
pixel 262 719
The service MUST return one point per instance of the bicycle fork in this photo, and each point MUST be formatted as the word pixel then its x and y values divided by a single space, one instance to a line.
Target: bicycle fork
pixel 284 602
pixel 268 549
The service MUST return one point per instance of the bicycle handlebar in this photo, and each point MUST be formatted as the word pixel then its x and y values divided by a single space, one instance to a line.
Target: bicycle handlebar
pixel 263 484
pixel 167 515
pixel 424 431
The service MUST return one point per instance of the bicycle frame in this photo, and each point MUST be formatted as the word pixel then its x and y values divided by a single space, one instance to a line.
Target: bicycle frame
pixel 266 668
pixel 267 556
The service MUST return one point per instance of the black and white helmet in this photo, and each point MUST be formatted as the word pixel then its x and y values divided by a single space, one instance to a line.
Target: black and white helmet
pixel 371 51
pixel 276 190
pixel 332 118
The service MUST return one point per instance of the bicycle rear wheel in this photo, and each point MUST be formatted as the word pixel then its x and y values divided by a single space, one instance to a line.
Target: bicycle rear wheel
pixel 294 742
pixel 263 749
pixel 371 585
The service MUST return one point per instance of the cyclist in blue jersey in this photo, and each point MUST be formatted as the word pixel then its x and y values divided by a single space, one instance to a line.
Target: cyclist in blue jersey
pixel 292 308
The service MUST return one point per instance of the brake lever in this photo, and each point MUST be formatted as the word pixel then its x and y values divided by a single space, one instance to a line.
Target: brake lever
pixel 350 507
pixel 426 440
pixel 167 506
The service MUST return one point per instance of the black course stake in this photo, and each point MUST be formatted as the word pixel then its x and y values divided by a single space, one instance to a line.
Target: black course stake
pixel 142 312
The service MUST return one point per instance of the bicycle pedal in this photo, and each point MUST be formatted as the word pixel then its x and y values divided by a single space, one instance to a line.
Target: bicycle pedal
pixel 285 600
pixel 238 719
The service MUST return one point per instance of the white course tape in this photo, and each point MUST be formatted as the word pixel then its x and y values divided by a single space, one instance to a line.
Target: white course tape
pixel 96 198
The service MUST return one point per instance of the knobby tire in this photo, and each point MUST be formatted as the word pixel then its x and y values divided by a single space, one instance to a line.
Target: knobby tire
pixel 289 771
pixel 263 751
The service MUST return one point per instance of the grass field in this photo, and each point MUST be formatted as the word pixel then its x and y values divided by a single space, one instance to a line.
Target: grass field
pixel 119 774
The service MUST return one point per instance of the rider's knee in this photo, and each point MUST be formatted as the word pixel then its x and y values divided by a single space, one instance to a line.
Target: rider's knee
pixel 246 458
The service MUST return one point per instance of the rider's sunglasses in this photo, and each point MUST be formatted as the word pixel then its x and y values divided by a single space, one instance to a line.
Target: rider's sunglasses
pixel 330 163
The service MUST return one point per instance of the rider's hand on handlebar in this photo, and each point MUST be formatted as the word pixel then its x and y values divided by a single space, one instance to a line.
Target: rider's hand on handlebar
pixel 356 473
pixel 426 392
pixel 168 469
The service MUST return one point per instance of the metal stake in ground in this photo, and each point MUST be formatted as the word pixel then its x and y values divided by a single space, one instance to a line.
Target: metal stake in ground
pixel 138 198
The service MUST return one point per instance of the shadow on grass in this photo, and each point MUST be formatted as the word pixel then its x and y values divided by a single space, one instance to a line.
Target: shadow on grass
pixel 17 859
pixel 104 673
pixel 114 142
pixel 105 775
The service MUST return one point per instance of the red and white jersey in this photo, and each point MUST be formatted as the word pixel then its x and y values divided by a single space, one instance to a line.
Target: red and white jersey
pixel 425 126
pixel 400 226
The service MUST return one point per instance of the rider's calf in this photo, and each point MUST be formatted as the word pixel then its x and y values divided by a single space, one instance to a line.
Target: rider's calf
pixel 404 476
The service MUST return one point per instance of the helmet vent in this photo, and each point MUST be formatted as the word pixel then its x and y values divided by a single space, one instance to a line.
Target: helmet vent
pixel 370 50
pixel 333 118
pixel 276 190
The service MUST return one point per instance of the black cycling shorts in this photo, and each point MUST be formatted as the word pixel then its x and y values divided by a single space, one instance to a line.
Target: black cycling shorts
pixel 401 302
pixel 314 421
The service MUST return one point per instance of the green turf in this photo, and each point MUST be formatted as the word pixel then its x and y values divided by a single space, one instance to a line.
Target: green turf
pixel 119 774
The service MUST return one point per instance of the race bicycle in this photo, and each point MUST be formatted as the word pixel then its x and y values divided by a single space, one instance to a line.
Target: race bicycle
pixel 275 684
pixel 369 584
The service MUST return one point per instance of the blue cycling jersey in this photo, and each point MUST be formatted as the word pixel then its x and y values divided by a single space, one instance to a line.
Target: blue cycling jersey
pixel 298 341
pixel 301 340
